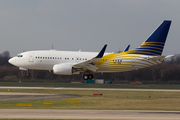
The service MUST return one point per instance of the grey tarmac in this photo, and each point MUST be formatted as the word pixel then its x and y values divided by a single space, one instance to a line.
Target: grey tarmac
pixel 66 88
pixel 88 114
pixel 16 96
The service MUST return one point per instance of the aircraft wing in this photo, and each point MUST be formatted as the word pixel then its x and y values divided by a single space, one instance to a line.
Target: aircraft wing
pixel 90 64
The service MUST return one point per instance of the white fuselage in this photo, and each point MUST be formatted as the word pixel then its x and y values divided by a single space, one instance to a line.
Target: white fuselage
pixel 111 62
pixel 46 59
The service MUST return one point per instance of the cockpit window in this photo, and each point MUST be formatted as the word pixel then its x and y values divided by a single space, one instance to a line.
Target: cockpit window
pixel 19 55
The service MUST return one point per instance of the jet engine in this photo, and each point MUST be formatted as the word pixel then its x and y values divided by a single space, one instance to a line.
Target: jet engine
pixel 63 69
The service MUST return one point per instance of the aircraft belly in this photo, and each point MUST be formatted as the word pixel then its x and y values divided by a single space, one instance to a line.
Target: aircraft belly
pixel 41 66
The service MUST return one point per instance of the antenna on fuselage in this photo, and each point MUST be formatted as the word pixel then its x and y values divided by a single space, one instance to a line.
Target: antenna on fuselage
pixel 52 47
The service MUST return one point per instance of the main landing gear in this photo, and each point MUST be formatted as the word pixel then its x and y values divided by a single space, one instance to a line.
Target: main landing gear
pixel 88 76
pixel 27 74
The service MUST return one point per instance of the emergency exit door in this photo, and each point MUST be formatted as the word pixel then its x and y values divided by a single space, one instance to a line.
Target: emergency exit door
pixel 31 57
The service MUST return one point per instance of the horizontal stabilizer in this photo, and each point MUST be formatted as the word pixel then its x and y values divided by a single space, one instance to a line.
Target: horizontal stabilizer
pixel 169 56
pixel 156 58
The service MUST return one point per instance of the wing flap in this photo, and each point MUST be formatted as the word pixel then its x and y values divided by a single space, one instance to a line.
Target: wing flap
pixel 91 67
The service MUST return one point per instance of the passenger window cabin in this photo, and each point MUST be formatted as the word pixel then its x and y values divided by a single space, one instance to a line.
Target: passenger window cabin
pixel 59 58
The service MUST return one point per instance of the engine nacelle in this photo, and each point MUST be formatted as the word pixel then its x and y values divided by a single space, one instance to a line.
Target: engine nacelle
pixel 63 69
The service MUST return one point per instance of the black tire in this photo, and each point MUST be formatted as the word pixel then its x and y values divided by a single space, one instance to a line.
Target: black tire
pixel 27 74
pixel 91 76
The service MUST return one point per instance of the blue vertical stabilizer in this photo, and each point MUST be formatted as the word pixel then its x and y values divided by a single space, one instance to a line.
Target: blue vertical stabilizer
pixel 154 45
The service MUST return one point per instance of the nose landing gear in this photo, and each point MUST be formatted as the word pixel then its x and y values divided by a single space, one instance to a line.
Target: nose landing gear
pixel 27 74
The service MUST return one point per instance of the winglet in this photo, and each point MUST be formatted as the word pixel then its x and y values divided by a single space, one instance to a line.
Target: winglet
pixel 127 48
pixel 101 53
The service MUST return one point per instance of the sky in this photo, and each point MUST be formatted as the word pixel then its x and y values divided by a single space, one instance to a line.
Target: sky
pixel 88 25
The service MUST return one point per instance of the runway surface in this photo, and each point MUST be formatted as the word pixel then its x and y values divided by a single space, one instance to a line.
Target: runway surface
pixel 81 114
pixel 88 114
pixel 14 96
pixel 66 88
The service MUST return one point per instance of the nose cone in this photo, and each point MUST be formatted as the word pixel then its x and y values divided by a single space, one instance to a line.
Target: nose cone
pixel 12 61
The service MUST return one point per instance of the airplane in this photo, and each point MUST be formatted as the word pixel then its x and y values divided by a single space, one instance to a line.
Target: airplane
pixel 74 62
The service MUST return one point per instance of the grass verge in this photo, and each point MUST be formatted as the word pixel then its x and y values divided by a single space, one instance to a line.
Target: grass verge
pixel 110 100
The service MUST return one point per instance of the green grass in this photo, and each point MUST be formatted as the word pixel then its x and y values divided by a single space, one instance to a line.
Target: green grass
pixel 110 100
pixel 85 85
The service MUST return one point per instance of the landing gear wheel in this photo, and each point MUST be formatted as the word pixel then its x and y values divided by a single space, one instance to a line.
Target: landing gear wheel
pixel 85 77
pixel 27 74
pixel 91 76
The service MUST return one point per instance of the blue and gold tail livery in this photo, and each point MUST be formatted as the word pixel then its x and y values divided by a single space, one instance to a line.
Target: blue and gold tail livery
pixel 155 43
